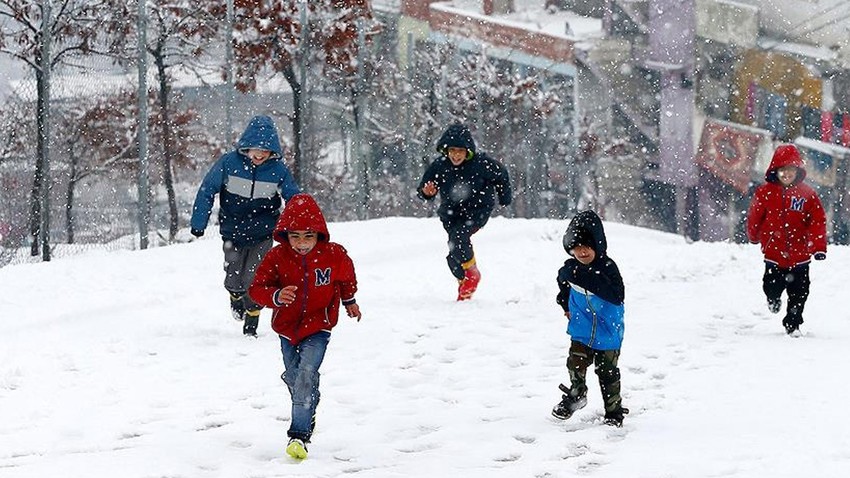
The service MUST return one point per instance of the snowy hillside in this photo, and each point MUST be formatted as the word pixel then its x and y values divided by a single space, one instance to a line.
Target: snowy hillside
pixel 128 365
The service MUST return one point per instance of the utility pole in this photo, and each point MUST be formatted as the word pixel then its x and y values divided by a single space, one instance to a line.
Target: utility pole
pixel 142 134
pixel 228 71
pixel 360 121
pixel 44 132
pixel 301 135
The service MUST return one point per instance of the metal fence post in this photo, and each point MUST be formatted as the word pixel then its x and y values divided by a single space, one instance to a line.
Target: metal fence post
pixel 44 235
pixel 142 133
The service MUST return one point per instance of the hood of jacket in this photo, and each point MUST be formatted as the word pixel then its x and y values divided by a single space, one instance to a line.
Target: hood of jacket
pixel 785 155
pixel 301 213
pixel 585 227
pixel 260 133
pixel 456 136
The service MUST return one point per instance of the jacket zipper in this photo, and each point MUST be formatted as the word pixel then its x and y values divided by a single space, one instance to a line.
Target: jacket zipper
pixel 304 283
pixel 253 179
pixel 784 220
pixel 593 322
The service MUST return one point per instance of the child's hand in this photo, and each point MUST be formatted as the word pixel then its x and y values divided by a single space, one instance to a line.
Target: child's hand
pixel 287 294
pixel 353 310
pixel 429 189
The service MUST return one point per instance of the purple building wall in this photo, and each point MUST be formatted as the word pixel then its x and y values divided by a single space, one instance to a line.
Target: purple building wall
pixel 672 25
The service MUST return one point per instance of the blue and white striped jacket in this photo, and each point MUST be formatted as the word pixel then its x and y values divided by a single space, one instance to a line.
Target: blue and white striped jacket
pixel 249 196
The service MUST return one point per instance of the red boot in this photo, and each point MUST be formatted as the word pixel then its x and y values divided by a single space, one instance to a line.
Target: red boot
pixel 466 286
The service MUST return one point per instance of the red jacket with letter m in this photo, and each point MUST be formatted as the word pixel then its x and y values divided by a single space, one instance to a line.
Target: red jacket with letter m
pixel 789 222
pixel 324 276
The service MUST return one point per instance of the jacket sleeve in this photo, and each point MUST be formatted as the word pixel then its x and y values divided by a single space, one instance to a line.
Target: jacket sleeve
pixel 210 186
pixel 266 284
pixel 613 290
pixel 287 185
pixel 430 175
pixel 347 279
pixel 563 297
pixel 755 217
pixel 817 226
pixel 502 183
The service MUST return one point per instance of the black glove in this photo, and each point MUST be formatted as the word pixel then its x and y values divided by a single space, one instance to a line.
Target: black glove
pixel 197 232
pixel 819 256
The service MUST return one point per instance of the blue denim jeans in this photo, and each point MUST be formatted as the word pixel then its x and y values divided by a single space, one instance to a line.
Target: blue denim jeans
pixel 302 364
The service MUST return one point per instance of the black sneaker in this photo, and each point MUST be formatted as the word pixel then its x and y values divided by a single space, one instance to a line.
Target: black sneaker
pixel 774 305
pixel 791 328
pixel 237 307
pixel 568 405
pixel 615 418
pixel 792 325
pixel 252 318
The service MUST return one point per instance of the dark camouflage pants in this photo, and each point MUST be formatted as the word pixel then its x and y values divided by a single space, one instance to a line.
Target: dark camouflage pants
pixel 580 358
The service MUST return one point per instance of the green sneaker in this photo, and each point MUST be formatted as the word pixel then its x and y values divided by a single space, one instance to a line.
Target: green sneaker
pixel 296 449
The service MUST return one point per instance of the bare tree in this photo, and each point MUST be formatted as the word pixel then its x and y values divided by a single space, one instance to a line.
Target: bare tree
pixel 100 139
pixel 74 29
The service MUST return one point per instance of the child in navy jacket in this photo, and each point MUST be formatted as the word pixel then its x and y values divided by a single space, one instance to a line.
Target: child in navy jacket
pixel 469 184
pixel 251 183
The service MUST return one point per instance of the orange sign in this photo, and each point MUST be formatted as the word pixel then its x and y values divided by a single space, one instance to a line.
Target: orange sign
pixel 728 151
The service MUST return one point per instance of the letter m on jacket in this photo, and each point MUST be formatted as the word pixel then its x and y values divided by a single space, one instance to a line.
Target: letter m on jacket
pixel 323 277
pixel 797 203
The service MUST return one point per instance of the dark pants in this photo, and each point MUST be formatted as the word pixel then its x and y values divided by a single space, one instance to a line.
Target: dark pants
pixel 460 233
pixel 580 358
pixel 240 265
pixel 794 281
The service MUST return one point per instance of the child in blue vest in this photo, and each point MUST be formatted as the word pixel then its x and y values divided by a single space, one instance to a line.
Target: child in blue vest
pixel 591 292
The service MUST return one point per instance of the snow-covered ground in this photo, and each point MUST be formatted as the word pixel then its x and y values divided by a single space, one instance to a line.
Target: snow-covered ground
pixel 127 364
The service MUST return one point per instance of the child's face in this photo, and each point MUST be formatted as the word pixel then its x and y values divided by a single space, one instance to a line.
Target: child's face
pixel 786 175
pixel 456 155
pixel 302 241
pixel 258 156
pixel 584 254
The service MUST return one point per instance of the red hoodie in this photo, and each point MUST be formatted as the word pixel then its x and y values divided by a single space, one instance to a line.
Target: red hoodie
pixel 324 276
pixel 789 222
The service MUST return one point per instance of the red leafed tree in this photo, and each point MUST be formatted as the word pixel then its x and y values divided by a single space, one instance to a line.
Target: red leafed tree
pixel 269 40
pixel 179 34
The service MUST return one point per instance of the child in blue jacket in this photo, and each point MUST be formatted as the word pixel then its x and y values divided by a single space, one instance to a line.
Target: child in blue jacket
pixel 251 183
pixel 591 292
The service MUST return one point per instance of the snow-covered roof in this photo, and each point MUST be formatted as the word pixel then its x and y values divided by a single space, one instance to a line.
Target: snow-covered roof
pixel 530 15
pixel 387 5
pixel 834 150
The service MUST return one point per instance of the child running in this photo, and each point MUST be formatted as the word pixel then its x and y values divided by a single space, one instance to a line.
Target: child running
pixel 303 279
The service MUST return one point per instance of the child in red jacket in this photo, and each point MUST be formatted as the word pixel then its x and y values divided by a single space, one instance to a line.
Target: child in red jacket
pixel 303 279
pixel 787 218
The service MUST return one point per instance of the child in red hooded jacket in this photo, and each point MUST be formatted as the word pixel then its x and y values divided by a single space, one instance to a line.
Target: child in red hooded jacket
pixel 303 279
pixel 787 218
